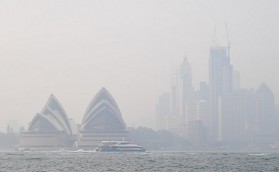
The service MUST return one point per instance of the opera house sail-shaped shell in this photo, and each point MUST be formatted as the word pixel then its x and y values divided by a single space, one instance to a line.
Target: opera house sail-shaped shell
pixel 50 128
pixel 102 121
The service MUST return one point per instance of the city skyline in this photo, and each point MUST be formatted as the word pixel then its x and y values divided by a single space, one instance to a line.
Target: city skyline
pixel 221 112
pixel 72 49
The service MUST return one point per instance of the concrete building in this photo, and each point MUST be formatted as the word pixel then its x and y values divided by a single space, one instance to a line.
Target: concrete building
pixel 187 89
pixel 162 111
pixel 101 121
pixel 50 129
pixel 197 133
pixel 236 80
pixel 180 98
pixel 174 123
pixel 265 113
pixel 203 92
pixel 231 119
pixel 220 83
pixel 202 112
pixel 197 122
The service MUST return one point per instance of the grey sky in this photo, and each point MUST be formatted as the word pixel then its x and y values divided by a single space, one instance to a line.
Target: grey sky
pixel 73 48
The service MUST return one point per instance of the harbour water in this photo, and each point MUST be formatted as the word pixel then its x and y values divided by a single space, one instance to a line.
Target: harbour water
pixel 148 161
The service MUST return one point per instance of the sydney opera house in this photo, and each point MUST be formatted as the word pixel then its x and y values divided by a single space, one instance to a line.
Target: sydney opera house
pixel 101 121
pixel 52 129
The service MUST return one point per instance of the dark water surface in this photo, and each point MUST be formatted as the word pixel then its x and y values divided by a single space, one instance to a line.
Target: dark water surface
pixel 149 161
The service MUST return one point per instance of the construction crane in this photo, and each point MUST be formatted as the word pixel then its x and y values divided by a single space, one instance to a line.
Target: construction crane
pixel 214 42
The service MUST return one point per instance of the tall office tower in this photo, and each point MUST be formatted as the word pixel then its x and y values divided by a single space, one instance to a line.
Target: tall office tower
pixel 236 80
pixel 174 91
pixel 202 111
pixel 197 133
pixel 203 92
pixel 186 90
pixel 234 112
pixel 197 114
pixel 172 121
pixel 220 83
pixel 202 103
pixel 162 111
pixel 181 93
pixel 265 109
pixel 186 80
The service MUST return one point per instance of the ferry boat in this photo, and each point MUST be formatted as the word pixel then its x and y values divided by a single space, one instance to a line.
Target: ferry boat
pixel 119 146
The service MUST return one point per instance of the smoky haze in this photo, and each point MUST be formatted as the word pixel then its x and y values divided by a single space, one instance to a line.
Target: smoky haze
pixel 74 48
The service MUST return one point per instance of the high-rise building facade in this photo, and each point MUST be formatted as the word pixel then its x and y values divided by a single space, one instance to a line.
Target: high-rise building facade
pixel 220 83
pixel 265 110
pixel 176 108
pixel 186 91
pixel 186 80
pixel 236 80
pixel 197 133
pixel 162 111
pixel 234 113
pixel 203 92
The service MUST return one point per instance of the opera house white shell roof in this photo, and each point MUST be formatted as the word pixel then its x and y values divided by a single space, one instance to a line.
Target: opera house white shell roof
pixel 52 118
pixel 103 114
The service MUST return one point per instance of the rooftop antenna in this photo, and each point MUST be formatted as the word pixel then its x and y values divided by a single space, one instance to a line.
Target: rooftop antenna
pixel 228 41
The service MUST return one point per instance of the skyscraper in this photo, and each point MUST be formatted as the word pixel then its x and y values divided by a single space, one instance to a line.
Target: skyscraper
pixel 220 83
pixel 236 80
pixel 265 110
pixel 203 92
pixel 186 90
pixel 186 80
pixel 181 98
pixel 174 91
pixel 234 112
pixel 162 111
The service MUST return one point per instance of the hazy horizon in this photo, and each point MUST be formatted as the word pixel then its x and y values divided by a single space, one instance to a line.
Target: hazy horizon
pixel 74 48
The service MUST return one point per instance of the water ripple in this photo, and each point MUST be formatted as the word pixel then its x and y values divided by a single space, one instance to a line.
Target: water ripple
pixel 152 161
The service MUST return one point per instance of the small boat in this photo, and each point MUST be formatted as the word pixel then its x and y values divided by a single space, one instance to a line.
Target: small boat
pixel 119 146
